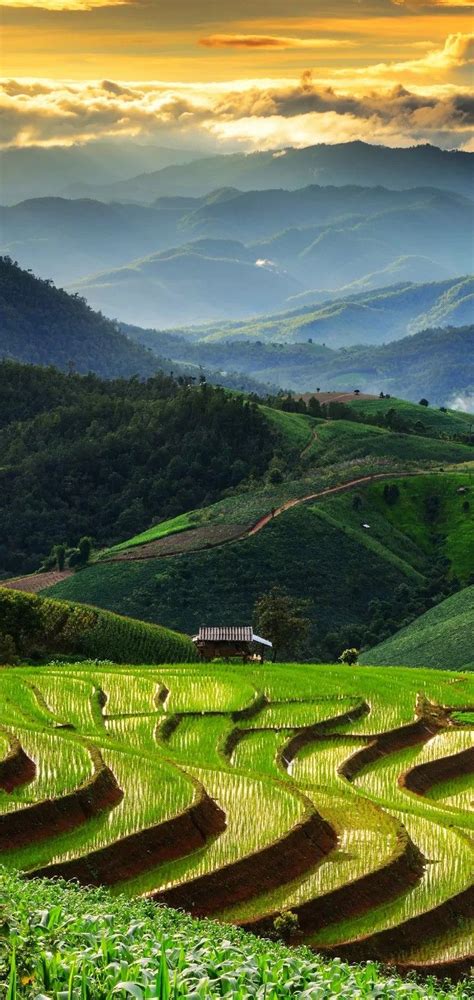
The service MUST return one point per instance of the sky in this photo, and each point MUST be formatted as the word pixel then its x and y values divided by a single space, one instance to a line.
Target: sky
pixel 237 74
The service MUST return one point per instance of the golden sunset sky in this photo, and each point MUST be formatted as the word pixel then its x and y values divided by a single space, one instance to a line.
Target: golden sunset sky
pixel 237 73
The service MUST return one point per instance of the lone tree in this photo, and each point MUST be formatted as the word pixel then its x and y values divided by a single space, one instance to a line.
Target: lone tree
pixel 278 617
pixel 423 402
pixel 59 552
pixel 349 656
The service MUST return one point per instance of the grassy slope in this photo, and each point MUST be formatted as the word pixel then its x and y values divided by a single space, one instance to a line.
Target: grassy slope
pixel 57 627
pixel 404 528
pixel 441 636
pixel 319 551
pixel 322 443
pixel 436 422
pixel 297 550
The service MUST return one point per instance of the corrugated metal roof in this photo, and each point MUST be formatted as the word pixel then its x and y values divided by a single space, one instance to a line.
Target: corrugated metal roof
pixel 226 633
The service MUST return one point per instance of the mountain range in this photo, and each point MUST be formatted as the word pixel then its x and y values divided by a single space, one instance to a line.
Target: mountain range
pixel 39 171
pixel 42 325
pixel 340 164
pixel 231 253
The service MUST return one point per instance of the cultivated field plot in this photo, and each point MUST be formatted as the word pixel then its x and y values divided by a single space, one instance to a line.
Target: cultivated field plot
pixel 342 794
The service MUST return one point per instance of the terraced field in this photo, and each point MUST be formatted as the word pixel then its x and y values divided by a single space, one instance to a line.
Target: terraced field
pixel 343 794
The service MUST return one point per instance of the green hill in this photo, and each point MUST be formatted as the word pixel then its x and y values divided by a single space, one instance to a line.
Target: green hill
pixel 431 363
pixel 372 317
pixel 208 279
pixel 440 423
pixel 106 458
pixel 440 638
pixel 364 560
pixel 41 626
pixel 43 325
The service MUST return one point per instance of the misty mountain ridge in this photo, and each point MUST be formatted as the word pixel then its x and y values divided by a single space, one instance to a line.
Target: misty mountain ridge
pixel 432 363
pixel 43 325
pixel 182 261
pixel 38 171
pixel 375 316
pixel 342 163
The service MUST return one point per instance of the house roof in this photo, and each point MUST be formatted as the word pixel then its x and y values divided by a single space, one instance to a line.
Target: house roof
pixel 229 633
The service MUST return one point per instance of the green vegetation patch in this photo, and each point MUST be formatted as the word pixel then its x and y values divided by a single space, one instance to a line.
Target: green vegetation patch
pixel 439 422
pixel 312 559
pixel 40 625
pixel 435 512
pixel 114 947
pixel 441 636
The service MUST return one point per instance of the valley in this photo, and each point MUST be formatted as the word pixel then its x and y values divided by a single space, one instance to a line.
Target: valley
pixel 236 547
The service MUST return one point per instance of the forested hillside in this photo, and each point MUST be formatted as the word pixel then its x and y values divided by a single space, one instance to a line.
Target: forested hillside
pixel 341 163
pixel 431 363
pixel 46 326
pixel 370 317
pixel 105 458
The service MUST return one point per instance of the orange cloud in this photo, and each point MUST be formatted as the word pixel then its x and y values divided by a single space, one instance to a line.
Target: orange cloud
pixel 59 5
pixel 271 42
pixel 257 116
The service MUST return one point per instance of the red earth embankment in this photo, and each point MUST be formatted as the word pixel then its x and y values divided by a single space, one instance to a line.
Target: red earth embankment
pixel 174 838
pixel 52 816
pixel 282 861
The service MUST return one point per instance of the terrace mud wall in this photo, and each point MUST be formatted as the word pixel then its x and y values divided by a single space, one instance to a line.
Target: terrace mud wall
pixel 422 777
pixel 281 861
pixel 117 862
pixel 52 816
pixel 16 768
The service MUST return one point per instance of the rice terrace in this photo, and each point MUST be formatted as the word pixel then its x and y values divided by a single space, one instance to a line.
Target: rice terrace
pixel 332 802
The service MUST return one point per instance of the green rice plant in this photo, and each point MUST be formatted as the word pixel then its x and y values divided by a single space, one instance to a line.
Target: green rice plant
pixel 199 691
pixel 61 765
pixel 257 751
pixel 379 782
pixel 243 798
pixel 4 744
pixel 293 715
pixel 128 693
pixel 19 704
pixel 450 856
pixel 153 791
pixel 455 943
pixel 198 739
pixel 69 698
pixel 316 765
pixel 458 793
pixel 136 732
pixel 366 840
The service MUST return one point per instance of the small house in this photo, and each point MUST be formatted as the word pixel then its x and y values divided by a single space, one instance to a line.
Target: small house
pixel 225 641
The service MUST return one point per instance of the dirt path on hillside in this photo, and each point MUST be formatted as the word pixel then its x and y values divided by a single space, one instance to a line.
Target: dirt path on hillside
pixel 180 547
pixel 341 488
pixel 36 581
pixel 314 437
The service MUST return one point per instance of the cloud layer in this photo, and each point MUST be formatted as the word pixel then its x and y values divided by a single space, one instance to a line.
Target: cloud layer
pixel 370 104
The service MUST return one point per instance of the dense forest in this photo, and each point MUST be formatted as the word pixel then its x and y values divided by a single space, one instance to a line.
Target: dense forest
pixel 432 362
pixel 85 456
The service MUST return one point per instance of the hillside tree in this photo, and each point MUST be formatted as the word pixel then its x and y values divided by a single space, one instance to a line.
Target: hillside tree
pixel 279 617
